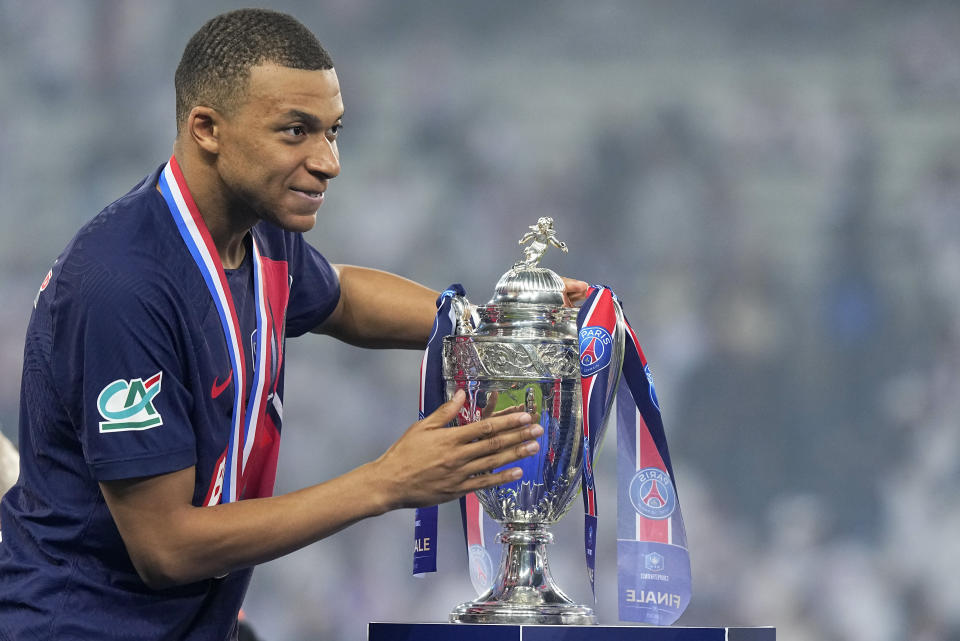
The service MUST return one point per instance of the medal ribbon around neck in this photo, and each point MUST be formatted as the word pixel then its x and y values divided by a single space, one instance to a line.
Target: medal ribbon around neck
pixel 246 409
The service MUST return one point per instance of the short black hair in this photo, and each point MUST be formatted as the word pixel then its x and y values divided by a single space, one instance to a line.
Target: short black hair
pixel 216 62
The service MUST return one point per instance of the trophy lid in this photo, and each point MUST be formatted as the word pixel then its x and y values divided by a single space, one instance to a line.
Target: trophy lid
pixel 523 284
pixel 526 281
pixel 528 299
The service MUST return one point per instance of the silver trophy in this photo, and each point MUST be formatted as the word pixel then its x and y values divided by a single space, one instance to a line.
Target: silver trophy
pixel 520 351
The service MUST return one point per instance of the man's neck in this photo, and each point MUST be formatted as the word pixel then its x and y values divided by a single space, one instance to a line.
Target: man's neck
pixel 226 229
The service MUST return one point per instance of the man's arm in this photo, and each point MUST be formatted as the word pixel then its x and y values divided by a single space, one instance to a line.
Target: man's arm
pixel 380 309
pixel 172 542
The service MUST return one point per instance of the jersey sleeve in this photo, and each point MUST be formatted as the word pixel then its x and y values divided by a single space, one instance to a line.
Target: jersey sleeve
pixel 314 288
pixel 125 356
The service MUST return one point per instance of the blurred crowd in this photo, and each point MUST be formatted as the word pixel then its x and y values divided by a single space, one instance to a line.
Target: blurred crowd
pixel 773 189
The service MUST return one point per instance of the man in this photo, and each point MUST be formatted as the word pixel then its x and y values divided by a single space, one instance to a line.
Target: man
pixel 153 367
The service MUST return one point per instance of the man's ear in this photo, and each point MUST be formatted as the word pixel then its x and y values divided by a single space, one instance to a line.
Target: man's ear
pixel 204 126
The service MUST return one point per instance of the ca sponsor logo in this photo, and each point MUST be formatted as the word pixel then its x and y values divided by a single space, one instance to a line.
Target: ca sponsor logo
pixel 128 405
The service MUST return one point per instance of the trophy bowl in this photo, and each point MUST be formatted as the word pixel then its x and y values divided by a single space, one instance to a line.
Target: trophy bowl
pixel 520 352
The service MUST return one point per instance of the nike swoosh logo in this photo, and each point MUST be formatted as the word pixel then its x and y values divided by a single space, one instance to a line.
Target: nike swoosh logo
pixel 217 390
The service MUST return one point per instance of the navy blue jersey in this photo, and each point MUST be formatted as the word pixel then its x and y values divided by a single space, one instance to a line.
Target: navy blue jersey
pixel 126 374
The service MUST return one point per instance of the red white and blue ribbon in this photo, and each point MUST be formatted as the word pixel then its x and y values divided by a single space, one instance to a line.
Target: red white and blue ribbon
pixel 653 564
pixel 247 407
pixel 654 582
pixel 596 328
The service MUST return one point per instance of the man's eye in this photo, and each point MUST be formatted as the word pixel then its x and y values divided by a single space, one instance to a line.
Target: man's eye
pixel 296 130
pixel 335 130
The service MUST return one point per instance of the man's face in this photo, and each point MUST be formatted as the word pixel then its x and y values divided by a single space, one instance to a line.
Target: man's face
pixel 278 147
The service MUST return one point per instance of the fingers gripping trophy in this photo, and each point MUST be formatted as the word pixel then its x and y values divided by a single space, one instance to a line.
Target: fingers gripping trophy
pixel 520 351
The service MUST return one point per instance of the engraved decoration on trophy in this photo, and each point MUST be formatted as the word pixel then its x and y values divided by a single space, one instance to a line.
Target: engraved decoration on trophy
pixel 521 349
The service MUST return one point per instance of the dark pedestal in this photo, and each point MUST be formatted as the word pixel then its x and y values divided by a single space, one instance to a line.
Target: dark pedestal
pixel 464 632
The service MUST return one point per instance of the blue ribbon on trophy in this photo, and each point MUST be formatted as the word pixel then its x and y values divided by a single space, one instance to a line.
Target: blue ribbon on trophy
pixel 431 397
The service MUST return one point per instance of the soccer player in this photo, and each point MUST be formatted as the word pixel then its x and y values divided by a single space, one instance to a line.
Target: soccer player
pixel 152 384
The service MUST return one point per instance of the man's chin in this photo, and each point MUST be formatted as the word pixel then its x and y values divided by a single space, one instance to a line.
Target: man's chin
pixel 299 223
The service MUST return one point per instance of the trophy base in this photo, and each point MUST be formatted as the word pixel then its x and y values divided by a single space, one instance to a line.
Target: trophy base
pixel 511 614
pixel 524 592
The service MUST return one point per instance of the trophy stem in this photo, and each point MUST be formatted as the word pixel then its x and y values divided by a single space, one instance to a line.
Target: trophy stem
pixel 524 592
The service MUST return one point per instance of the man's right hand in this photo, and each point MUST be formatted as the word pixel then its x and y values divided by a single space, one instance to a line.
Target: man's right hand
pixel 432 464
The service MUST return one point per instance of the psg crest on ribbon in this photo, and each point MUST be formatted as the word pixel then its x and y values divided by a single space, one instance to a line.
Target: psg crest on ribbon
pixel 565 366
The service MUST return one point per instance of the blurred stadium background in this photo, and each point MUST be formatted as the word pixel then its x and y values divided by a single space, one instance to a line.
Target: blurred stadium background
pixel 772 187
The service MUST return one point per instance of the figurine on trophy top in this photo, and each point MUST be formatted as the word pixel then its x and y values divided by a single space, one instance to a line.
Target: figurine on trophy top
pixel 543 235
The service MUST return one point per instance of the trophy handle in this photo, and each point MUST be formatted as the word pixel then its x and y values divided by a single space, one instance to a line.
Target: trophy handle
pixel 465 314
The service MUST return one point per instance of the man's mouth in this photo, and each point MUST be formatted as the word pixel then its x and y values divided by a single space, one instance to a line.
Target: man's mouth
pixel 316 196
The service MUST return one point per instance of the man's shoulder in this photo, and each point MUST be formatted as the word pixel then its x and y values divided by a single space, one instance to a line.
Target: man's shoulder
pixel 134 231
pixel 128 225
pixel 131 246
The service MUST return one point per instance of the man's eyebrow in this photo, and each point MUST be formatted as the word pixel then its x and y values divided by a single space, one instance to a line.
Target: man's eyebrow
pixel 308 118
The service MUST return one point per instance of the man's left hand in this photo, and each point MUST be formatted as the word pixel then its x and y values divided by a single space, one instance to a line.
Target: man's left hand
pixel 574 291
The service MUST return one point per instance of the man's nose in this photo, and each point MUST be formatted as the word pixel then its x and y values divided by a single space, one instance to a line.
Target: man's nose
pixel 324 159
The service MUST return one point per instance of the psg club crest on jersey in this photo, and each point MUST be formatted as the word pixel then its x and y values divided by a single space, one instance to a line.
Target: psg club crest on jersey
pixel 596 348
pixel 651 493
pixel 128 405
